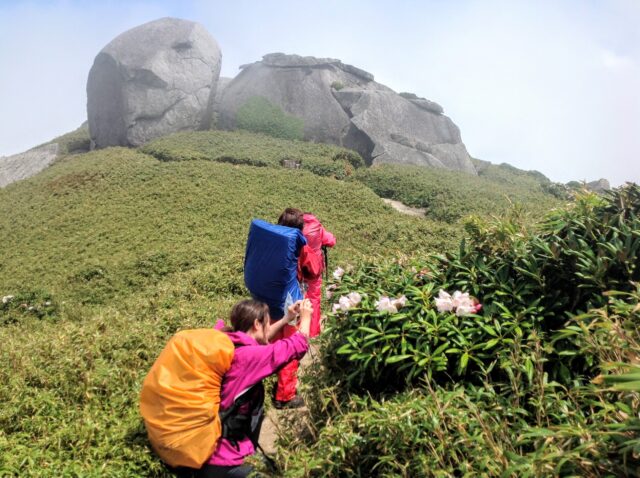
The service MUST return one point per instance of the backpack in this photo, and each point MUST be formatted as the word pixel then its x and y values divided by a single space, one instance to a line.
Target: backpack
pixel 271 265
pixel 310 264
pixel 180 397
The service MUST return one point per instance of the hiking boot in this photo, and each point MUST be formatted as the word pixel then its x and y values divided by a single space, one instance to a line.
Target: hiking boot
pixel 295 402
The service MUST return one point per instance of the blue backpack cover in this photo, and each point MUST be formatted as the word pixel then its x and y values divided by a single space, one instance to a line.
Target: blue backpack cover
pixel 271 265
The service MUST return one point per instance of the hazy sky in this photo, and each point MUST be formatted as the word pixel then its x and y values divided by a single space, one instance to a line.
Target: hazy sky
pixel 546 85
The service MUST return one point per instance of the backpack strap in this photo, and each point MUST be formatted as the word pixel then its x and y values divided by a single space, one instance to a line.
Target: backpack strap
pixel 236 425
pixel 325 253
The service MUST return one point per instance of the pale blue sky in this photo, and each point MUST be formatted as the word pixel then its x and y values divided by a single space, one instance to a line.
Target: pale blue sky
pixel 546 85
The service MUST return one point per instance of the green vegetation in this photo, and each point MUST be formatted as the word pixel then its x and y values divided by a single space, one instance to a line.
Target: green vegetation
pixel 450 195
pixel 514 386
pixel 259 115
pixel 77 141
pixel 108 253
pixel 240 147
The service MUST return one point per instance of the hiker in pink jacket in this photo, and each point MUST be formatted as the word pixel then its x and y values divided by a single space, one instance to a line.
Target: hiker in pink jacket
pixel 317 238
pixel 242 393
pixel 310 268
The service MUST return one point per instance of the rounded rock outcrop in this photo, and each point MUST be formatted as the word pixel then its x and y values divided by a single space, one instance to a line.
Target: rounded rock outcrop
pixel 342 104
pixel 152 80
pixel 300 86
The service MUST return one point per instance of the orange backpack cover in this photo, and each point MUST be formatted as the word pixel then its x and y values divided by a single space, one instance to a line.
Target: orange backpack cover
pixel 180 396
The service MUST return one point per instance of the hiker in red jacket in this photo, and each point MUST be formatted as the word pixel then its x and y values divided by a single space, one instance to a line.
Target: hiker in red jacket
pixel 310 268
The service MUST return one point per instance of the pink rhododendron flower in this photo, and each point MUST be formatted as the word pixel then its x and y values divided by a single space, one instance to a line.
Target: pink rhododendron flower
pixel 386 305
pixel 329 291
pixel 338 273
pixel 335 308
pixel 460 299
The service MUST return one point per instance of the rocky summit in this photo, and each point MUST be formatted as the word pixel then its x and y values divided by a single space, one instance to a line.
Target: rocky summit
pixel 152 80
pixel 343 105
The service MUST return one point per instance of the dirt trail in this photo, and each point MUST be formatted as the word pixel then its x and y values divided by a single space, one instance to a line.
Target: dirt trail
pixel 282 421
pixel 403 208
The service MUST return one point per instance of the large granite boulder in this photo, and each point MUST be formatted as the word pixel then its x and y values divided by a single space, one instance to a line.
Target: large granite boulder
pixel 152 80
pixel 301 86
pixel 403 132
pixel 342 104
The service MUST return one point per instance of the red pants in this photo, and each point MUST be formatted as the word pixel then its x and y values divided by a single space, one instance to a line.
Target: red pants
pixel 314 294
pixel 288 375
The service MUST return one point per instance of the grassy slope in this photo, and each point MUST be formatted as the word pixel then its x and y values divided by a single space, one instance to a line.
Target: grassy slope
pixel 128 249
pixel 450 196
pixel 242 147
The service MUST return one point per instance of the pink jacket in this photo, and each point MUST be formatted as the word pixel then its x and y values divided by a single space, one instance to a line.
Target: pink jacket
pixel 316 235
pixel 251 363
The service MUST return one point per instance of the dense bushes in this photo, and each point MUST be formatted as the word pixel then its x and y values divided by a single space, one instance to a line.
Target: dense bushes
pixel 450 195
pixel 561 304
pixel 529 283
pixel 241 147
pixel 259 115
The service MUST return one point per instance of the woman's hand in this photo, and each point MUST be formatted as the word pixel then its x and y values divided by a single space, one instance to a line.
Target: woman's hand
pixel 292 313
pixel 306 311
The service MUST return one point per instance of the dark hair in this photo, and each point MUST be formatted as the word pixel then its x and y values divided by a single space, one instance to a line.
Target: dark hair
pixel 246 312
pixel 292 217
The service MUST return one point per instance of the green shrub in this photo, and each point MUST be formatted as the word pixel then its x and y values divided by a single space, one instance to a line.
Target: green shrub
pixel 259 115
pixel 451 195
pixel 504 392
pixel 353 158
pixel 244 148
pixel 77 141
pixel 25 304
pixel 530 284
pixel 408 435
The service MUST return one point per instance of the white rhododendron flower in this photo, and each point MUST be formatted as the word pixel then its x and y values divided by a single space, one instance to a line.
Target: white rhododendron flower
pixel 344 303
pixel 400 302
pixel 7 298
pixel 338 273
pixel 354 298
pixel 329 292
pixel 465 310
pixel 460 299
pixel 347 302
pixel 386 305
pixel 444 302
pixel 461 302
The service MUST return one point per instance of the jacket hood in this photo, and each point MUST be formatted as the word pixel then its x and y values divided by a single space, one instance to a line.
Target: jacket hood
pixel 240 338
